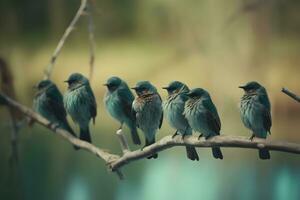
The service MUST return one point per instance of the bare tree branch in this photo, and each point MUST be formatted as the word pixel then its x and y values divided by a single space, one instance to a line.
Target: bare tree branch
pixel 220 141
pixel 107 157
pixel 116 162
pixel 67 32
pixel 291 94
pixel 91 29
pixel 123 142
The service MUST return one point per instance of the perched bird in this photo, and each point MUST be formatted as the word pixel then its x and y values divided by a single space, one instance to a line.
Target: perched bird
pixel 147 107
pixel 255 110
pixel 203 117
pixel 118 101
pixel 174 108
pixel 80 103
pixel 48 102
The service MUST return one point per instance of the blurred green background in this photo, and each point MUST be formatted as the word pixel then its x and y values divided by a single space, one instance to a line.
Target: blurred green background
pixel 213 44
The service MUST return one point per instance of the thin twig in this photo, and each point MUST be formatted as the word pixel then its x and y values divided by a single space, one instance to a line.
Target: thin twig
pixel 116 162
pixel 123 142
pixel 67 32
pixel 91 29
pixel 291 94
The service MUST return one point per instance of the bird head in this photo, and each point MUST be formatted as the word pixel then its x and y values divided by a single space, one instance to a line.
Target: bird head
pixel 76 79
pixel 197 93
pixel 113 83
pixel 44 84
pixel 144 87
pixel 251 87
pixel 176 87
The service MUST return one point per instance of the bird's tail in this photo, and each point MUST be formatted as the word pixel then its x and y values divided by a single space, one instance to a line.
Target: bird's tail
pixel 135 136
pixel 192 153
pixel 217 153
pixel 67 127
pixel 264 154
pixel 148 144
pixel 85 134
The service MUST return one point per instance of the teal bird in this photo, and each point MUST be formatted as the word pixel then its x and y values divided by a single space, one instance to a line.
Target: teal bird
pixel 147 107
pixel 48 102
pixel 118 101
pixel 174 108
pixel 255 110
pixel 203 117
pixel 80 103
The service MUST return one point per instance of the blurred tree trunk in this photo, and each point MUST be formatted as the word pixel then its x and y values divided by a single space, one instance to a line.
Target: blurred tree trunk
pixel 260 21
pixel 56 9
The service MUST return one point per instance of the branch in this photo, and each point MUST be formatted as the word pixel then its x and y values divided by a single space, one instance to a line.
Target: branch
pixel 91 29
pixel 291 94
pixel 115 162
pixel 107 157
pixel 123 142
pixel 67 32
pixel 220 141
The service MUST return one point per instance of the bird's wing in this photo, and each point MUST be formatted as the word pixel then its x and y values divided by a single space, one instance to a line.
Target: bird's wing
pixel 212 117
pixel 264 99
pixel 267 120
pixel 126 98
pixel 92 102
pixel 162 113
pixel 161 119
pixel 55 103
pixel 263 110
pixel 134 111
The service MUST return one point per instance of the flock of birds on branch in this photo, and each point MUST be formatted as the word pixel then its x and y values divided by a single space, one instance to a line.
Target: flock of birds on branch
pixel 186 110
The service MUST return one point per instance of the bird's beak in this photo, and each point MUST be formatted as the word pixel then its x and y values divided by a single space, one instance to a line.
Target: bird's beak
pixel 242 87
pixel 66 81
pixel 134 88
pixel 165 88
pixel 105 84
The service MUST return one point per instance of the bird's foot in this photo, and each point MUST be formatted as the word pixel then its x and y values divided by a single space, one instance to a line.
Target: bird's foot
pixel 209 137
pixel 142 149
pixel 121 127
pixel 154 156
pixel 252 136
pixel 176 133
pixel 53 125
pixel 201 135
pixel 183 136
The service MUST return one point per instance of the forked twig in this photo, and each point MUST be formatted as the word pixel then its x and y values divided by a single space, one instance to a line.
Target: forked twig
pixel 61 42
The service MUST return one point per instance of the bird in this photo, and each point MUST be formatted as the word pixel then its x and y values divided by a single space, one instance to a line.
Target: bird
pixel 48 102
pixel 80 103
pixel 147 107
pixel 203 117
pixel 174 108
pixel 255 110
pixel 118 102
